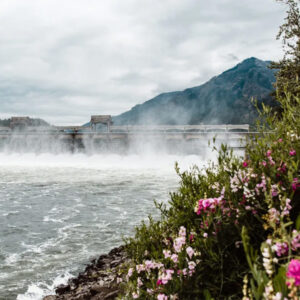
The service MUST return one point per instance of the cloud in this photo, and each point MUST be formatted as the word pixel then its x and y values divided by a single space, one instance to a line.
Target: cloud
pixel 66 60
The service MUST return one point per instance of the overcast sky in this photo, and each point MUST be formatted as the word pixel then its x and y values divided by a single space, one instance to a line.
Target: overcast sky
pixel 64 60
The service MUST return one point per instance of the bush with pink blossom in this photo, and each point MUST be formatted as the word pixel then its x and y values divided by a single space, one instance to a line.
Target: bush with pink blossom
pixel 232 230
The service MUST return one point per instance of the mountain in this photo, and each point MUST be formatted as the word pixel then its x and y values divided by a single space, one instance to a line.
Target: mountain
pixel 224 99
pixel 34 122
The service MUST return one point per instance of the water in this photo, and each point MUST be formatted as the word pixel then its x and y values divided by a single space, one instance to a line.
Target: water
pixel 59 211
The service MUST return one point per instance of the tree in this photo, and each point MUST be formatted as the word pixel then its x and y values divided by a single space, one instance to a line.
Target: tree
pixel 287 77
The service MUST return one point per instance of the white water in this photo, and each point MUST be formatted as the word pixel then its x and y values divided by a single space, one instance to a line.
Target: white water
pixel 58 211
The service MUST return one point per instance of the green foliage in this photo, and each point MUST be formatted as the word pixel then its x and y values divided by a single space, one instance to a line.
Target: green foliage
pixel 232 213
pixel 231 231
pixel 287 77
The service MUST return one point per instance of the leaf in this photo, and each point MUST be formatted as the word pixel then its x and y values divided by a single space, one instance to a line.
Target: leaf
pixel 280 281
pixel 207 295
pixel 298 222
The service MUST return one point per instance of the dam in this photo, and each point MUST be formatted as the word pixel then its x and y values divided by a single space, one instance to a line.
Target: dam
pixel 102 135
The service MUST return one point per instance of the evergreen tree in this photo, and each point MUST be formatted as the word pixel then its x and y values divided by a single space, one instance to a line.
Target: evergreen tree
pixel 289 67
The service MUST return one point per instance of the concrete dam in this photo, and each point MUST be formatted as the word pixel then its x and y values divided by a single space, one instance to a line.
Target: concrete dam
pixel 102 135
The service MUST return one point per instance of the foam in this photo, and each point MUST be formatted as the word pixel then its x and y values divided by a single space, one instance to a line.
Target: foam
pixel 97 161
pixel 39 290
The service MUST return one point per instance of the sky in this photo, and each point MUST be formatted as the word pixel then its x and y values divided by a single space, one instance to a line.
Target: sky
pixel 65 60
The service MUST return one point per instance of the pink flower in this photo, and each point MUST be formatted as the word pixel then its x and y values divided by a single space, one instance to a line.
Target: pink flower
pixel 191 238
pixel 166 276
pixel 182 231
pixel 245 164
pixel 167 253
pixel 159 282
pixel 281 249
pixel 190 252
pixel 292 152
pixel 174 257
pixel 296 242
pixel 149 291
pixel 178 243
pixel 130 271
pixel 280 140
pixel 162 297
pixel 295 184
pixel 139 282
pixel 282 168
pixel 192 265
pixel 269 152
pixel 274 190
pixel 263 163
pixel 294 271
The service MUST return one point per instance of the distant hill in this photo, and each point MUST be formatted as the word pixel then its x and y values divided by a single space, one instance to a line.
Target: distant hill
pixel 224 99
pixel 34 122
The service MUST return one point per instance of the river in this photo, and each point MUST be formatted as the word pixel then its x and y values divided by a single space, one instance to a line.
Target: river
pixel 57 211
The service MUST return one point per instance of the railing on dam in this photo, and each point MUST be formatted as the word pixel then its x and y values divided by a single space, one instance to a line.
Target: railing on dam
pixel 131 129
pixel 122 137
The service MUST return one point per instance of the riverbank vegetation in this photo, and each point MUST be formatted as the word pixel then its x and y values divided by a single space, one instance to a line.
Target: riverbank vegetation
pixel 232 230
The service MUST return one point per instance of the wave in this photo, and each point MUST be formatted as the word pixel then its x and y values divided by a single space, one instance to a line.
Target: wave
pixel 100 161
pixel 39 290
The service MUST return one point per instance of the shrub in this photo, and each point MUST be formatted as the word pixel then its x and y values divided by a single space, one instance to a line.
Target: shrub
pixel 231 231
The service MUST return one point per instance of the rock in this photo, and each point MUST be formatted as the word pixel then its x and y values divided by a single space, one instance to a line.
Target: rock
pixel 96 282
pixel 50 298
pixel 112 295
pixel 115 263
pixel 96 288
pixel 61 289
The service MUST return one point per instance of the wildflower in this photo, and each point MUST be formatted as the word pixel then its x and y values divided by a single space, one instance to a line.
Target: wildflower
pixel 269 152
pixel 164 277
pixel 190 252
pixel 191 237
pixel 150 291
pixel 245 164
pixel 119 280
pixel 280 249
pixel 294 271
pixel 278 296
pixel 264 163
pixel 287 207
pixel 274 190
pixel 267 261
pixel 174 257
pixel 130 272
pixel 159 282
pixel 271 161
pixel 292 152
pixel 182 231
pixel 139 282
pixel 295 241
pixel 274 215
pixel 167 253
pixel 135 295
pixel 162 297
pixel 282 168
pixel 140 268
pixel 178 243
pixel 268 290
pixel 295 184
pixel 205 235
pixel 192 265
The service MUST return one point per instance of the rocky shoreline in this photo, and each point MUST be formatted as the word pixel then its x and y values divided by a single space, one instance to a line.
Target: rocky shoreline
pixel 98 281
